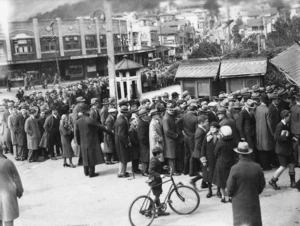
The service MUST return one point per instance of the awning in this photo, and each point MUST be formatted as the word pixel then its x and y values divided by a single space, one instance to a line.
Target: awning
pixel 243 67
pixel 288 62
pixel 198 69
pixel 22 36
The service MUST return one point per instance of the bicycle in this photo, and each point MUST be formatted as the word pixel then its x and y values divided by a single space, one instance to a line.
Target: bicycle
pixel 182 200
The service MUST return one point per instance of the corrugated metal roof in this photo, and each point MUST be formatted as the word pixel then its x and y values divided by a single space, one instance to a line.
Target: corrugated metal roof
pixel 126 64
pixel 244 66
pixel 288 62
pixel 254 22
pixel 198 70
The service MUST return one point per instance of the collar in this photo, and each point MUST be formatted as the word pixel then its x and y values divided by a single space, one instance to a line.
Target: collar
pixel 283 122
pixel 201 127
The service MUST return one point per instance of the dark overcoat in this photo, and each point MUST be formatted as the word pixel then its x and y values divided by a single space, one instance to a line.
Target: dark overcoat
pixel 20 130
pixel 95 114
pixel 284 144
pixel 66 136
pixel 103 114
pixel 170 136
pixel 33 133
pixel 121 128
pixel 207 153
pixel 212 117
pixel 225 158
pixel 273 117
pixel 109 139
pixel 246 127
pixel 295 119
pixel 135 145
pixel 12 119
pixel 189 126
pixel 143 135
pixel 199 137
pixel 87 133
pixel 245 182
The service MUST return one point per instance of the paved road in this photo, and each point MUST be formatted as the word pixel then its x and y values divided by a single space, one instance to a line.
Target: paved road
pixel 57 196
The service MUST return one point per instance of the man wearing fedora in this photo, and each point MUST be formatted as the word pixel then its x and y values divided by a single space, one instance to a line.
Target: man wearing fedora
pixel 246 125
pixel 245 182
pixel 109 139
pixel 284 150
pixel 94 112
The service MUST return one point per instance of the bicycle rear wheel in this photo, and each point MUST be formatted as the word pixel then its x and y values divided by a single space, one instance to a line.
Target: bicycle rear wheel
pixel 142 211
pixel 186 201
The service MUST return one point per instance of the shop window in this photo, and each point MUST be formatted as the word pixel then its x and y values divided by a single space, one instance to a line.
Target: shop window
pixel 71 42
pixel 48 44
pixel 117 41
pixel 203 87
pixel 103 43
pixel 90 41
pixel 75 70
pixel 23 46
pixel 189 86
pixel 235 84
pixel 249 82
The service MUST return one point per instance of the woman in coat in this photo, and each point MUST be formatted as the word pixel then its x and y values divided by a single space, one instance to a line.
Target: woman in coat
pixel 66 135
pixel 10 189
pixel 208 158
pixel 225 158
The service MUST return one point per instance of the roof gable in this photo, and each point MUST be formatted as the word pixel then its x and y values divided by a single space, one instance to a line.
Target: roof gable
pixel 127 64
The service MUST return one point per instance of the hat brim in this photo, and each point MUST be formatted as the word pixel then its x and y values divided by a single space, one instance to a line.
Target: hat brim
pixel 250 150
pixel 122 111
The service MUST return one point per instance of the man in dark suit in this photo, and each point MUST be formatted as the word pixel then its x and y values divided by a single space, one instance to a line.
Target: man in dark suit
pixel 51 126
pixel 94 113
pixel 244 184
pixel 190 123
pixel 212 113
pixel 20 133
pixel 87 133
pixel 284 150
pixel 246 125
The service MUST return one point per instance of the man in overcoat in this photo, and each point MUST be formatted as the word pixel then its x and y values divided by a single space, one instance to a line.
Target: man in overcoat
pixel 246 125
pixel 86 134
pixel 244 184
pixel 265 143
pixel 122 142
pixel 20 133
pixel 12 118
pixel 156 134
pixel 6 131
pixel 109 139
pixel 33 135
pixel 295 128
pixel 190 124
pixel 170 135
pixel 143 135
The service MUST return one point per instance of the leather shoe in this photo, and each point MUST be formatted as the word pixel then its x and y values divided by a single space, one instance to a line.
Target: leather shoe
pixel 223 200
pixel 204 184
pixel 53 158
pixel 123 176
pixel 194 185
pixel 94 175
pixel 145 174
pixel 273 184
pixel 293 184
pixel 209 194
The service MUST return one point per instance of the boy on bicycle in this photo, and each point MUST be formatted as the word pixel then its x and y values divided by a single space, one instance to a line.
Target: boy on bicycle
pixel 155 172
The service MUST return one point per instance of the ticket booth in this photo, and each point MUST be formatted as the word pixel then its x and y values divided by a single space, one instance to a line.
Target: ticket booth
pixel 128 79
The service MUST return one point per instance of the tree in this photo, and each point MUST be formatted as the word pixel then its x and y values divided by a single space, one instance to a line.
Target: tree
pixel 206 50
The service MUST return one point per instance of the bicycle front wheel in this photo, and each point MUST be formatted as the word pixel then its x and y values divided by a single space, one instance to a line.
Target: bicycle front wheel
pixel 184 201
pixel 142 211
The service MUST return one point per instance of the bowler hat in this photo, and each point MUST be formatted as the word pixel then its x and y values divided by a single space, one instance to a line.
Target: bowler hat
pixel 185 93
pixel 243 148
pixel 124 109
pixel 250 103
pixel 269 89
pixel 284 113
pixel 175 94
pixel 94 101
pixel 255 88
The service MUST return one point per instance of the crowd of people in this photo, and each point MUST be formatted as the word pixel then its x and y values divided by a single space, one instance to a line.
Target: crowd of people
pixel 197 136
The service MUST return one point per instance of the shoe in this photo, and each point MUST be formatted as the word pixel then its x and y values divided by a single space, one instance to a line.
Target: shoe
pixel 145 174
pixel 272 182
pixel 66 165
pixel 79 164
pixel 293 184
pixel 30 161
pixel 162 213
pixel 223 200
pixel 17 159
pixel 194 185
pixel 94 175
pixel 72 166
pixel 219 194
pixel 209 195
pixel 123 176
pixel 53 158
pixel 204 184
pixel 137 171
pixel 176 174
pixel 230 200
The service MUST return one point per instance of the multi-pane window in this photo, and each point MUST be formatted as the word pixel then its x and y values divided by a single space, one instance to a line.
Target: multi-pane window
pixel 23 46
pixel 103 41
pixel 71 42
pixel 90 41
pixel 48 44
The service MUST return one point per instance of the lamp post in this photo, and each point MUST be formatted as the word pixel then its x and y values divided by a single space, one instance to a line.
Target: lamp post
pixel 54 39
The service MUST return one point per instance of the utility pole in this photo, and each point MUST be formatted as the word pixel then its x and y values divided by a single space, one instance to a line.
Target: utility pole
pixel 110 48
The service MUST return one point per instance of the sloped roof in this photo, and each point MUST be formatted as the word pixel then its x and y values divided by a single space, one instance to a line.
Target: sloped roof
pixel 241 67
pixel 198 69
pixel 288 62
pixel 254 22
pixel 127 64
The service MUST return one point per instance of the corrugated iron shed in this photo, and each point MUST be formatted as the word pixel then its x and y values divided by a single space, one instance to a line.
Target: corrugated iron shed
pixel 243 67
pixel 198 69
pixel 288 62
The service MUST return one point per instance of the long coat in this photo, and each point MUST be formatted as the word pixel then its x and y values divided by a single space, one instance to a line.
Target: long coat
pixel 103 114
pixel 51 133
pixel 33 133
pixel 66 135
pixel 143 135
pixel 10 184
pixel 156 135
pixel 5 129
pixel 121 128
pixel 273 118
pixel 264 138
pixel 170 136
pixel 87 133
pixel 246 127
pixel 284 145
pixel 225 157
pixel 199 137
pixel 245 182
pixel 135 145
pixel 109 140
pixel 208 155
pixel 20 130
pixel 295 119
pixel 12 119
pixel 189 127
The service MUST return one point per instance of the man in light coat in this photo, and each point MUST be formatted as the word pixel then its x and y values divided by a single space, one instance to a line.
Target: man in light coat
pixel 265 143
pixel 33 135
pixel 156 135
pixel 12 127
pixel 245 182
